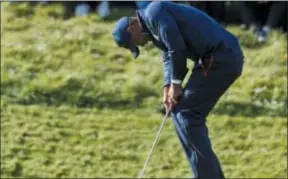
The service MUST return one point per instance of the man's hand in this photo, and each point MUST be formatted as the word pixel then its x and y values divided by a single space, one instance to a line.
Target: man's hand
pixel 171 95
pixel 166 100
pixel 174 94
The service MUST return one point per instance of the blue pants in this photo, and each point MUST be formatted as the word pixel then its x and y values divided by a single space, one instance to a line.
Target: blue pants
pixel 200 95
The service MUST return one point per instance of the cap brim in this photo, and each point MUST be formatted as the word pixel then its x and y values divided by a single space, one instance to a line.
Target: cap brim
pixel 135 51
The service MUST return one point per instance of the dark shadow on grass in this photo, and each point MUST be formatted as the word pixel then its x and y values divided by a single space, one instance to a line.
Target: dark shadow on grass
pixel 246 109
pixel 239 109
pixel 87 103
pixel 66 96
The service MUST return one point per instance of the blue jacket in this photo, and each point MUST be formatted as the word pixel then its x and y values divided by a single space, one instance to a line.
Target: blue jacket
pixel 182 32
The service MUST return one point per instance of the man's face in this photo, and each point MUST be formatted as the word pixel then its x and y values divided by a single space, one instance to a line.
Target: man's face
pixel 137 37
pixel 140 39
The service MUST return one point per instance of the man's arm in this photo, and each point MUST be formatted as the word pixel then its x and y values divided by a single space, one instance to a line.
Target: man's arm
pixel 173 40
pixel 167 69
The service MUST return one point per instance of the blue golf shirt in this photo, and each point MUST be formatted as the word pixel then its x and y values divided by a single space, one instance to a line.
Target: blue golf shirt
pixel 182 32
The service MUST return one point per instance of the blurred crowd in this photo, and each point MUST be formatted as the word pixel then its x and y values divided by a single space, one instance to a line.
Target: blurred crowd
pixel 257 16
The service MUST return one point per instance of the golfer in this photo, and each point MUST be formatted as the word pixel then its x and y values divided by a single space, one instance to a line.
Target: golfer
pixel 182 32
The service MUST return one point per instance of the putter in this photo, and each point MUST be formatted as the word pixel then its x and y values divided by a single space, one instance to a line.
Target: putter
pixel 154 144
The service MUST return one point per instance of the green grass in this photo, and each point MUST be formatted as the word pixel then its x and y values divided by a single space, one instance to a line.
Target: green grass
pixel 73 104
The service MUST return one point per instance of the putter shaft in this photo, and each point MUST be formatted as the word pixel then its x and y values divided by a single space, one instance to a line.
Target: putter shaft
pixel 154 144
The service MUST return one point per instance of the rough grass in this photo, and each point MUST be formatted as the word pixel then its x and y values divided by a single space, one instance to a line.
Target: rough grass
pixel 75 105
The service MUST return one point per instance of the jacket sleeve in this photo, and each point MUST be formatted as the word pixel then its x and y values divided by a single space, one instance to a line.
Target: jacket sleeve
pixel 167 68
pixel 170 35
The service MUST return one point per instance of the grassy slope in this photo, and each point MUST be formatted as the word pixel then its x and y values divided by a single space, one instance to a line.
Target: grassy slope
pixel 75 105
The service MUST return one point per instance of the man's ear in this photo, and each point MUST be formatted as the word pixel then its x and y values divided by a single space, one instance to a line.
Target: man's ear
pixel 133 25
pixel 130 28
